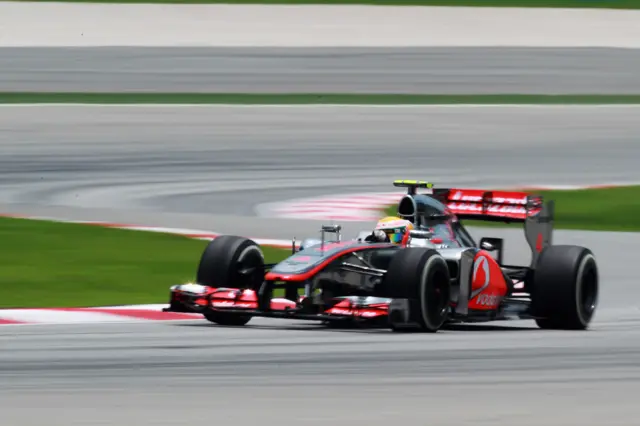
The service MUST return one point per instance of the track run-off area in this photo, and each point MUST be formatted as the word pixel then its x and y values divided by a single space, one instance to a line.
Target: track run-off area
pixel 229 169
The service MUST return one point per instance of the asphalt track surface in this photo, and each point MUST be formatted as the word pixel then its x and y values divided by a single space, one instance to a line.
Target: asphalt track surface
pixel 294 374
pixel 297 373
pixel 445 70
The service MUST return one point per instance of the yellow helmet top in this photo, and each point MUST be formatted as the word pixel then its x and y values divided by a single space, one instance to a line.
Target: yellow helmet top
pixel 394 227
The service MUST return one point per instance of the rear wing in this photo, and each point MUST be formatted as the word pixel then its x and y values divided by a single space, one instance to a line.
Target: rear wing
pixel 500 206
pixel 504 206
pixel 492 206
pixel 479 204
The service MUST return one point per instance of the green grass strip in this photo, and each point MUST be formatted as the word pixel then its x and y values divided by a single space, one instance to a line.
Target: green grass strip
pixel 300 99
pixel 612 4
pixel 607 209
pixel 50 264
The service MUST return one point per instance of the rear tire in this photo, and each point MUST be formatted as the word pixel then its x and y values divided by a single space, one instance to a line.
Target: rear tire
pixel 565 288
pixel 231 262
pixel 421 276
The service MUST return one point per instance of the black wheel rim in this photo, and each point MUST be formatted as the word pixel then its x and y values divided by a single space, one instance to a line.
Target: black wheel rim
pixel 250 270
pixel 589 291
pixel 437 297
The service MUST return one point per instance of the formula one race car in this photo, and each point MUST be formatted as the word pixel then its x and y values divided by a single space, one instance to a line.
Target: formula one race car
pixel 420 284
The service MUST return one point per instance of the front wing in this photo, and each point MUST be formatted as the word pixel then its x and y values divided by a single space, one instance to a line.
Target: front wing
pixel 196 298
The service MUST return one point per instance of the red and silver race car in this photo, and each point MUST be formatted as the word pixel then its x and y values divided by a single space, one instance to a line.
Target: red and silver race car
pixel 420 284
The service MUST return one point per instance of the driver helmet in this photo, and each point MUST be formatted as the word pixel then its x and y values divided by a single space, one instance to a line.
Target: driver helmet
pixel 394 227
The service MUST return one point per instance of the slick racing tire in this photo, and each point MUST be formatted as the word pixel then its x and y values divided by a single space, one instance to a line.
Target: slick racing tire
pixel 419 276
pixel 565 288
pixel 231 261
pixel 226 318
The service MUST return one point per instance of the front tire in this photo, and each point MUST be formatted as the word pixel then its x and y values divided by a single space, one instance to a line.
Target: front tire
pixel 421 277
pixel 226 318
pixel 230 261
pixel 565 288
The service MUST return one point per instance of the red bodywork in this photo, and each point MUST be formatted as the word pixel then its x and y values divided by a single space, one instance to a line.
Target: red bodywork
pixel 227 298
pixel 488 283
pixel 490 204
pixel 248 299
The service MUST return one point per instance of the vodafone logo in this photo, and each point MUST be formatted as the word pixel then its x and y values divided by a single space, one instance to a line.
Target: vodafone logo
pixel 480 282
pixel 481 272
pixel 492 208
pixel 539 242
pixel 339 311
pixel 506 200
pixel 489 299
pixel 481 275
pixel 476 197
pixel 459 196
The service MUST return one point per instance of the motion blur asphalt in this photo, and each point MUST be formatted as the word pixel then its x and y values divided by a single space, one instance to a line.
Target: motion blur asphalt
pixel 296 374
pixel 226 160
pixel 433 70
pixel 207 168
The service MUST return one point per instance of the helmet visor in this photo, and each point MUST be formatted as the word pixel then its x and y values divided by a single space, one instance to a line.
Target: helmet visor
pixel 395 234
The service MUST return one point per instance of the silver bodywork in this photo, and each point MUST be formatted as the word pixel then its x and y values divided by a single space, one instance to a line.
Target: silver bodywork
pixel 363 275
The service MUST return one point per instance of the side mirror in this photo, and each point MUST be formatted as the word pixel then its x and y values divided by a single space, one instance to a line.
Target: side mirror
pixel 491 245
pixel 420 233
pixel 486 245
pixel 332 228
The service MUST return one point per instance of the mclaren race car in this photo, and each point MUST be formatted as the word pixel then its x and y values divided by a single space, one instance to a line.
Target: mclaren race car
pixel 435 275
